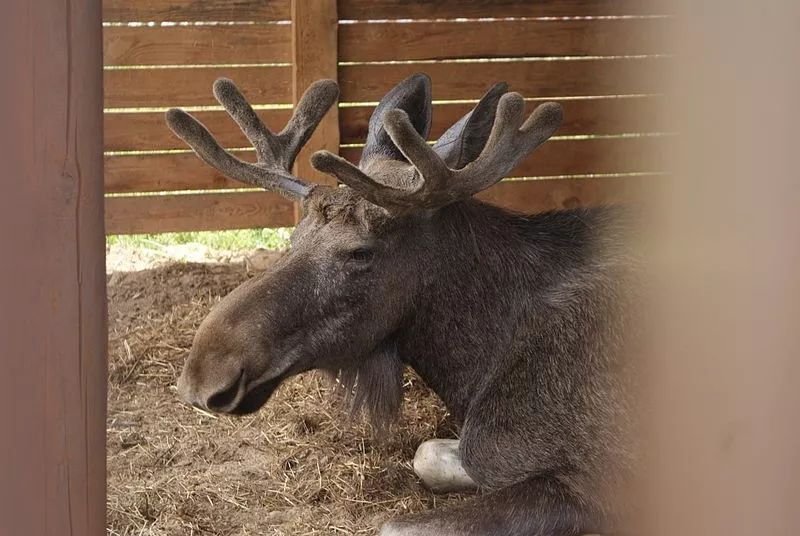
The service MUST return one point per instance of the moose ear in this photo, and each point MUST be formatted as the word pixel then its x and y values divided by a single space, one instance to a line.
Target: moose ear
pixel 464 141
pixel 413 96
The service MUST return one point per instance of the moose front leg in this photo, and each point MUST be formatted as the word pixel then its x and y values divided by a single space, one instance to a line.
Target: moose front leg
pixel 438 464
pixel 534 507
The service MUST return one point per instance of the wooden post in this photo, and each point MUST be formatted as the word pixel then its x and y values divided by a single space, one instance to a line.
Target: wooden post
pixel 315 56
pixel 52 280
pixel 723 442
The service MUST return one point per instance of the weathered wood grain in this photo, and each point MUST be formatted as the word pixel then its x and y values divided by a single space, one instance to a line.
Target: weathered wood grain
pixel 129 131
pixel 142 88
pixel 560 78
pixel 528 197
pixel 315 57
pixel 586 116
pixel 147 131
pixel 153 173
pixel 197 212
pixel 153 214
pixel 582 157
pixel 52 278
pixel 499 38
pixel 192 45
pixel 449 9
pixel 195 10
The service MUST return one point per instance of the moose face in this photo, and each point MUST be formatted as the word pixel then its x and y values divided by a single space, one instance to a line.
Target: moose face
pixel 343 288
pixel 361 254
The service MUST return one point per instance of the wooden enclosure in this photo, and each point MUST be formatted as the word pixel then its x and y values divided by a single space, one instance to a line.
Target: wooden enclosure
pixel 602 59
pixel 723 364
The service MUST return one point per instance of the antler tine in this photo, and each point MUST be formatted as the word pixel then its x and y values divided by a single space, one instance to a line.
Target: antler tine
pixel 510 141
pixel 234 102
pixel 275 153
pixel 313 105
pixel 283 147
pixel 197 136
pixel 366 186
pixel 415 149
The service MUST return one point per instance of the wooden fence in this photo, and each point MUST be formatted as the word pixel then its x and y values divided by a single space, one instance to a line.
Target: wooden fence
pixel 600 58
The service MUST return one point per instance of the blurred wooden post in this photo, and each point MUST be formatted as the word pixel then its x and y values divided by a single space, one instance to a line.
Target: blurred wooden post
pixel 52 278
pixel 723 445
pixel 315 56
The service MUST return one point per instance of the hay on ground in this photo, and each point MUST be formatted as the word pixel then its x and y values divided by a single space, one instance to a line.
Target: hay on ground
pixel 299 466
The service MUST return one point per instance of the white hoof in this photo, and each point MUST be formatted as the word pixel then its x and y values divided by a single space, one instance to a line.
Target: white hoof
pixel 438 464
pixel 393 529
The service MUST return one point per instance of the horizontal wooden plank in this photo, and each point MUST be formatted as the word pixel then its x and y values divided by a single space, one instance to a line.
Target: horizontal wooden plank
pixel 197 212
pixel 449 9
pixel 152 173
pixel 529 197
pixel 582 157
pixel 584 116
pixel 195 10
pixel 192 45
pixel 468 80
pixel 274 10
pixel 130 131
pixel 500 38
pixel 165 172
pixel 141 88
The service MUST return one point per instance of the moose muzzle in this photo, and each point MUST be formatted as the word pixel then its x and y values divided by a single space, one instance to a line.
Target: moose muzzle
pixel 218 390
pixel 229 387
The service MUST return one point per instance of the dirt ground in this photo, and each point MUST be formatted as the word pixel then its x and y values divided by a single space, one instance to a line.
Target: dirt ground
pixel 299 466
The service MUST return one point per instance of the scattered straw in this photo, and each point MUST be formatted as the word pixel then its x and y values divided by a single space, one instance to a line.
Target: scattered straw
pixel 299 466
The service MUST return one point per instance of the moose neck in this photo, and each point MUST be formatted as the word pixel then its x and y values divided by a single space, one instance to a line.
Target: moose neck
pixel 485 276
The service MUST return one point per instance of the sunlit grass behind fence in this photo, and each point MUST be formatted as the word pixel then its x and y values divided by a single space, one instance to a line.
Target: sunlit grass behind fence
pixel 277 238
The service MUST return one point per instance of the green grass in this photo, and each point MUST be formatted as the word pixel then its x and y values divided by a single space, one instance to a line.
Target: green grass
pixel 277 238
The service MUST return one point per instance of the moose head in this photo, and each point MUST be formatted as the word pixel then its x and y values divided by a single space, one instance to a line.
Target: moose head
pixel 364 256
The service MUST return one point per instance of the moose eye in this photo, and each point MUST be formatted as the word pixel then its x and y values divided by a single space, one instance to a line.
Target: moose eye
pixel 362 254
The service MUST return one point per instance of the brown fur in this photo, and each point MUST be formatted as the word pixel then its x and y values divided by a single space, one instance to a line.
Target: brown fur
pixel 518 323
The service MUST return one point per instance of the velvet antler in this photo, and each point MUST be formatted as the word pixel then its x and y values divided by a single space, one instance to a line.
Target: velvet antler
pixel 275 152
pixel 437 175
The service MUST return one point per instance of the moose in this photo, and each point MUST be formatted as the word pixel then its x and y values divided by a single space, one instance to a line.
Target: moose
pixel 519 323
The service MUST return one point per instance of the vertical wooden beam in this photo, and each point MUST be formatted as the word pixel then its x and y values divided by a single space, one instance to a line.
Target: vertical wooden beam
pixel 314 56
pixel 723 371
pixel 52 279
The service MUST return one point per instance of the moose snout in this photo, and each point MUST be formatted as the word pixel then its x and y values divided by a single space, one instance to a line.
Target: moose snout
pixel 220 392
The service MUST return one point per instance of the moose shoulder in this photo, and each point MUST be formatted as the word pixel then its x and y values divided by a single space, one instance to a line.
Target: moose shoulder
pixel 517 322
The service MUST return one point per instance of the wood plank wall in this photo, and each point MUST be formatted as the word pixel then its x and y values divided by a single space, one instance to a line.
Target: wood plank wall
pixel 602 59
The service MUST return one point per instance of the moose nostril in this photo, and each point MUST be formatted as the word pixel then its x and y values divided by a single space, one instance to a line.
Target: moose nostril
pixel 223 399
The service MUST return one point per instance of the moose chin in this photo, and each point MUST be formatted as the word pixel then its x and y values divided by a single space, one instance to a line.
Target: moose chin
pixel 519 323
